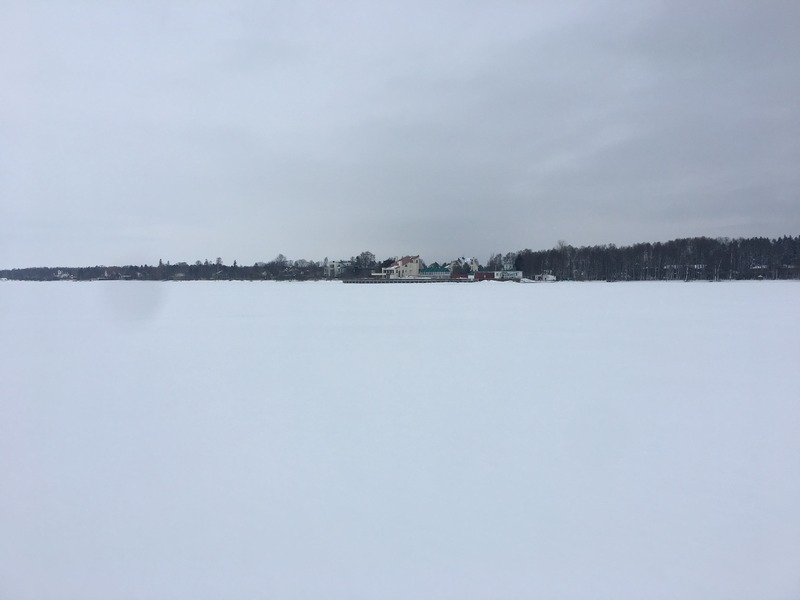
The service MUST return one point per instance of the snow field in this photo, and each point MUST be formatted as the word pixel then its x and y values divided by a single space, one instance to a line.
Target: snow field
pixel 321 440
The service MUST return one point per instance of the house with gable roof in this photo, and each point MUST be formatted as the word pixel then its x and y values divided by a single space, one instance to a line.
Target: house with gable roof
pixel 408 266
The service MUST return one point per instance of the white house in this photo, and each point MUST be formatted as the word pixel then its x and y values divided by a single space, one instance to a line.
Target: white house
pixel 335 268
pixel 472 263
pixel 408 266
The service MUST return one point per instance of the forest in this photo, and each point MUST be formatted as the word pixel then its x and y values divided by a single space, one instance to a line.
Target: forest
pixel 688 259
pixel 698 258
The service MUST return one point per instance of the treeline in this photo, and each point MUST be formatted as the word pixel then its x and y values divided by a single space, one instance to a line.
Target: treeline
pixel 699 258
pixel 279 268
pixel 688 259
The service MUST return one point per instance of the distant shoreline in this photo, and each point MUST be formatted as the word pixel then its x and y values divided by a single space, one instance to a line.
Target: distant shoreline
pixel 686 259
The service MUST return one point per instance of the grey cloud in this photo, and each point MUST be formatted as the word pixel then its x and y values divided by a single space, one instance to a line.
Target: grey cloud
pixel 315 130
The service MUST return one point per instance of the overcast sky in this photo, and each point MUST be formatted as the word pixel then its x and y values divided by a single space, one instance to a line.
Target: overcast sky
pixel 133 131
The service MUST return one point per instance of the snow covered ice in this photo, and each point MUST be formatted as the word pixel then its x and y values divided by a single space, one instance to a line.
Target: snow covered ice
pixel 319 440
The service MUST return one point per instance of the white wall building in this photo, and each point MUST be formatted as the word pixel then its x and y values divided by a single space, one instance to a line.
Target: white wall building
pixel 510 274
pixel 335 268
pixel 472 263
pixel 408 266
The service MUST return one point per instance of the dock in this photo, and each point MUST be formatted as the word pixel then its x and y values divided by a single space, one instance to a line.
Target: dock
pixel 374 280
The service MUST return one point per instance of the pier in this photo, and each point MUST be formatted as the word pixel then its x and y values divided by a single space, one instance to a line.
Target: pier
pixel 405 280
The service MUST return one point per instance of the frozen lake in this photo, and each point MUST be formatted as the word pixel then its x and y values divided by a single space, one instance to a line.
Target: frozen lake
pixel 450 441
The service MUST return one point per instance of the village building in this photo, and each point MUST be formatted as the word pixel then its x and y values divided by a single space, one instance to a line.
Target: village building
pixel 408 266
pixel 335 268
pixel 471 263
pixel 510 275
pixel 435 272
pixel 546 276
